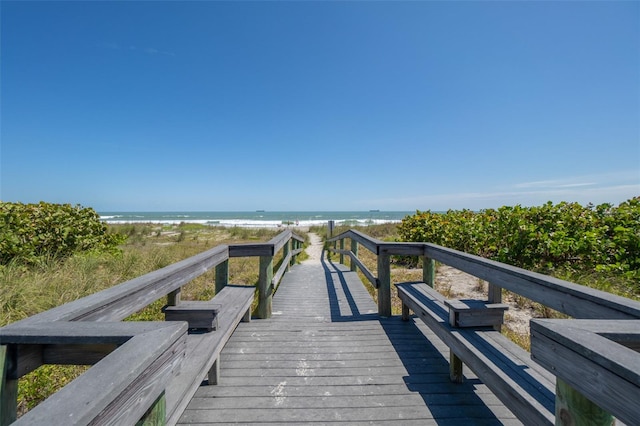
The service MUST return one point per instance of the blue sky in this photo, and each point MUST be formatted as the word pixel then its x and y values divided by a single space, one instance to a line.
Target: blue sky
pixel 319 105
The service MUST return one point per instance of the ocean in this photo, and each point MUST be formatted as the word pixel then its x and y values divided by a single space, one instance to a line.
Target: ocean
pixel 257 219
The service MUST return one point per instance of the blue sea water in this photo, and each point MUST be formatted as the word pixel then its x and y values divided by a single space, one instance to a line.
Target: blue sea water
pixel 258 218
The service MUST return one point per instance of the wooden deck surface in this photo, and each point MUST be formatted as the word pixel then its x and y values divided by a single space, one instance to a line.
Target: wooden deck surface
pixel 325 357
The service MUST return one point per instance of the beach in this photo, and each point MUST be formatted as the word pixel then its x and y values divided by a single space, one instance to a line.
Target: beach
pixel 259 219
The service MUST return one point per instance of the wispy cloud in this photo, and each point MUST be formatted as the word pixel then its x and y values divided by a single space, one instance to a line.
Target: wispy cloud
pixel 552 184
pixel 623 176
pixel 132 48
pixel 605 188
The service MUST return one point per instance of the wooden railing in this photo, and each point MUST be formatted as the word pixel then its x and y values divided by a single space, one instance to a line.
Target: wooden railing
pixel 605 342
pixel 128 384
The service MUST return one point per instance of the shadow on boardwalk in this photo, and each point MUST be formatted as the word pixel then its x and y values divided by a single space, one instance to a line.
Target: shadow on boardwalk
pixel 422 354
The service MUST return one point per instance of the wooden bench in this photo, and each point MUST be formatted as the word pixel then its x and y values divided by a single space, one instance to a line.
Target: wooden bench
pixel 233 305
pixel 523 386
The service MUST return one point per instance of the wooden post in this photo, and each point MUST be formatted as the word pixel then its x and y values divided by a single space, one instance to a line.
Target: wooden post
pixel 342 248
pixel 285 252
pixel 456 367
pixel 156 415
pixel 428 271
pixel 8 388
pixel 354 250
pixel 265 291
pixel 214 372
pixel 405 312
pixel 222 275
pixel 294 246
pixel 572 408
pixel 456 374
pixel 384 284
pixel 173 298
pixel 495 296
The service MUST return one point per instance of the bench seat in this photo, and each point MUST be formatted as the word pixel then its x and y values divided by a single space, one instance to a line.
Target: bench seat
pixel 522 385
pixel 233 305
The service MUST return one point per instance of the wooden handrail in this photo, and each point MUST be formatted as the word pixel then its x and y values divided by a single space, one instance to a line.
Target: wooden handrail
pixel 604 341
pixel 566 297
pixel 88 331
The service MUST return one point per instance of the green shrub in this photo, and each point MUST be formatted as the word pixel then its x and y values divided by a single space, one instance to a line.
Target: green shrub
pixel 564 236
pixel 30 233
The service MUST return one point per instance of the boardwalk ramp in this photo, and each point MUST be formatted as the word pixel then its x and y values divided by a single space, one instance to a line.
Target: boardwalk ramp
pixel 326 357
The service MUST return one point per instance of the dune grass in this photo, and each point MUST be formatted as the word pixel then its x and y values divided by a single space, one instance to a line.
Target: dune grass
pixel 28 290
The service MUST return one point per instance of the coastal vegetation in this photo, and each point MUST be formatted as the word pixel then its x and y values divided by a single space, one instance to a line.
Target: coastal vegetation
pixel 51 254
pixel 75 255
pixel 593 245
pixel 31 233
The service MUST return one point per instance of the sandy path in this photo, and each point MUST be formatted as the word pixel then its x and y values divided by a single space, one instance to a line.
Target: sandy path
pixel 314 250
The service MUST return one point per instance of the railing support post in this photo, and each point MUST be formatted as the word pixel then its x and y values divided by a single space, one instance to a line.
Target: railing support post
pixel 265 289
pixel 354 250
pixel 428 271
pixel 8 388
pixel 384 284
pixel 173 298
pixel 456 369
pixel 285 252
pixel 342 248
pixel 222 275
pixel 295 244
pixel 572 408
pixel 156 415
pixel 495 296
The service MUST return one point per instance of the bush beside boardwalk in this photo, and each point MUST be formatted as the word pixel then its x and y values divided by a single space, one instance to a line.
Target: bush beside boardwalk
pixel 593 245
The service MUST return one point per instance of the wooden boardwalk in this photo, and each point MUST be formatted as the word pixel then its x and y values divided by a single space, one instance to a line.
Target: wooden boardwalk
pixel 325 357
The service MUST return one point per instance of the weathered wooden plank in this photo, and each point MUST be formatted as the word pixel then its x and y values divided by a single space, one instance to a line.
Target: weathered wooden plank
pixel 475 313
pixel 321 401
pixel 203 349
pixel 371 414
pixel 369 243
pixel 601 370
pixel 70 343
pixel 305 397
pixel 353 256
pixel 290 363
pixel 384 285
pixel 222 276
pixel 569 298
pixel 280 240
pixel 265 287
pixel 132 378
pixel 117 303
pixel 76 354
pixel 199 314
pixel 428 361
pixel 590 345
pixel 251 250
pixel 530 407
pixel 357 262
pixel 284 267
pixel 79 332
pixel 403 249
pixel 433 390
pixel 269 248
